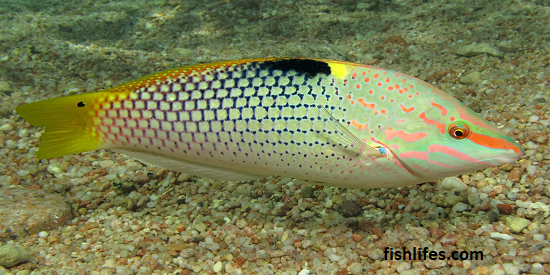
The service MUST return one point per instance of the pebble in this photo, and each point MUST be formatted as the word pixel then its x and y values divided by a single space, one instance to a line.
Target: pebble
pixel 500 236
pixel 515 173
pixel 356 269
pixel 43 234
pixel 478 49
pixel 537 268
pixel 357 237
pixel 307 191
pixel 349 208
pixel 450 183
pixel 5 87
pixel 511 269
pixel 537 209
pixel 183 51
pixel 11 255
pixel 446 200
pixel 505 209
pixel 403 266
pixel 218 266
pixel 334 257
pixel 516 224
pixel 460 207
pixel 538 237
pixel 474 199
pixel 8 127
pixel 470 78
pixel 534 118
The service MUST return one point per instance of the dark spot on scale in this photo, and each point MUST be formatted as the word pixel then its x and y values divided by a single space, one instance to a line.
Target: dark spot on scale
pixel 80 104
pixel 303 66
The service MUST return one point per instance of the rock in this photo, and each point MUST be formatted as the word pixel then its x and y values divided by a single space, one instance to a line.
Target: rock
pixel 470 78
pixel 516 224
pixel 11 255
pixel 478 49
pixel 350 208
pixel 29 211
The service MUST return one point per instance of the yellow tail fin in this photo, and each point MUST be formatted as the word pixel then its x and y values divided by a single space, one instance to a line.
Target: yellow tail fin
pixel 70 124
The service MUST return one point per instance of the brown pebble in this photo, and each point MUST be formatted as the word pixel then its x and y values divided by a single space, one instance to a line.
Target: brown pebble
pixel 436 233
pixel 398 40
pixel 362 252
pixel 515 174
pixel 357 237
pixel 240 261
pixel 505 209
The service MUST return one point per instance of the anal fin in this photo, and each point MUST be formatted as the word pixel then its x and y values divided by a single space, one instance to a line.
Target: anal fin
pixel 201 170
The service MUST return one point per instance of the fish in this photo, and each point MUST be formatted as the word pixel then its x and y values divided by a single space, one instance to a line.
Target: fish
pixel 319 121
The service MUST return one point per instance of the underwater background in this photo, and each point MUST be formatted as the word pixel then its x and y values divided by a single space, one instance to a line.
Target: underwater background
pixel 104 213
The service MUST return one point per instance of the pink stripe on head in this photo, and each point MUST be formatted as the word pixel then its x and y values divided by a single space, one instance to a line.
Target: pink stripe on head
pixel 452 152
pixel 391 134
pixel 415 155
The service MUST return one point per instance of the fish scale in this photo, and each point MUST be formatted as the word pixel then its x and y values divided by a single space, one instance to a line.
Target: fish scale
pixel 321 121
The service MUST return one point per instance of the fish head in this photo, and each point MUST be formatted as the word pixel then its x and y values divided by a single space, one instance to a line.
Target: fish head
pixel 446 138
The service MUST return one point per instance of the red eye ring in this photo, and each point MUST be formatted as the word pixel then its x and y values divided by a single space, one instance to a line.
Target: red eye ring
pixel 458 132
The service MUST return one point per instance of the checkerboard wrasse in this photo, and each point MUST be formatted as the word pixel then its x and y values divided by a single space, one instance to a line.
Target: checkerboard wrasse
pixel 321 121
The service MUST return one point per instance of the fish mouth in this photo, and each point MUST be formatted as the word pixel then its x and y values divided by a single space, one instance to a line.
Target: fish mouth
pixel 511 155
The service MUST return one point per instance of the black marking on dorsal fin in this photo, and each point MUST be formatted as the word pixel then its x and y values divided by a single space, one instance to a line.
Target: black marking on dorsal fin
pixel 304 66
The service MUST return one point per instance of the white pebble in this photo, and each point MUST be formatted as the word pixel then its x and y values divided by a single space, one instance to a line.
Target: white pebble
pixel 22 173
pixel 538 237
pixel 43 234
pixel 453 183
pixel 500 236
pixel 537 268
pixel 6 127
pixel 334 257
pixel 218 267
pixel 304 271
pixel 403 266
pixel 511 269
pixel 533 118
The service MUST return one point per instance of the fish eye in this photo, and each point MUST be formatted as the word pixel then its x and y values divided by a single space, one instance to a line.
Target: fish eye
pixel 459 132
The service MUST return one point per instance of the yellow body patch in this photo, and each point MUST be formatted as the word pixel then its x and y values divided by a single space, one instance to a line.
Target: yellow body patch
pixel 338 70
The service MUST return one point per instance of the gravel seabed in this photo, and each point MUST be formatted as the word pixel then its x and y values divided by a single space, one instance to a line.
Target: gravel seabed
pixel 135 219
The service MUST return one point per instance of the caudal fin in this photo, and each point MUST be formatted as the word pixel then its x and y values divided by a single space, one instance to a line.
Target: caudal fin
pixel 70 124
